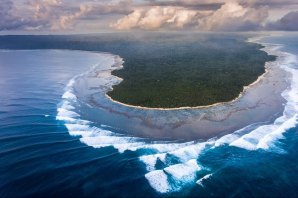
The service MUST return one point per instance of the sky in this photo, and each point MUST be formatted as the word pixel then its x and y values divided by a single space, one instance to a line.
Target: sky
pixel 91 16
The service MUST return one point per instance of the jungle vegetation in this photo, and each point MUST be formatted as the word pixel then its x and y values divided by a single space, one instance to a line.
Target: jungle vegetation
pixel 167 70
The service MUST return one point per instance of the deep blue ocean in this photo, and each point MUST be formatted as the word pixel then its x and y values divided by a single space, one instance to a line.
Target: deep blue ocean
pixel 41 157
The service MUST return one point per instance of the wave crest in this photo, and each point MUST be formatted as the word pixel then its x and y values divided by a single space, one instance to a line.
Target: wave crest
pixel 180 166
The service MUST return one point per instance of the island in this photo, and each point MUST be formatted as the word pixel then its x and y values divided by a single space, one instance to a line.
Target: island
pixel 167 70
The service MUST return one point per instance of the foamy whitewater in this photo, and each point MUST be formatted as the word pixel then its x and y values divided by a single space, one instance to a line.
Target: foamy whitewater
pixel 171 166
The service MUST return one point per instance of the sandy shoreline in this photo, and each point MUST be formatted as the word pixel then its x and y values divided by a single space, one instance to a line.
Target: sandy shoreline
pixel 245 88
pixel 259 102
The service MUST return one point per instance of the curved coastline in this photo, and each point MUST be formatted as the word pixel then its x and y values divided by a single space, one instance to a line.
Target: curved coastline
pixel 268 111
pixel 49 126
pixel 260 102
pixel 245 88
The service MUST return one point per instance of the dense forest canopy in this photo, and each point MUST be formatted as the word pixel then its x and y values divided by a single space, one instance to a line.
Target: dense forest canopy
pixel 167 69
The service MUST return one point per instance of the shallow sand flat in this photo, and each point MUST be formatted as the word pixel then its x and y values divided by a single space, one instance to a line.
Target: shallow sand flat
pixel 260 102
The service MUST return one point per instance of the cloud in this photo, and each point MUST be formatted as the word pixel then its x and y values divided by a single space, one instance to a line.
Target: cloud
pixel 128 22
pixel 216 4
pixel 120 7
pixel 289 22
pixel 157 17
pixel 189 4
pixel 209 15
pixel 229 17
pixel 234 17
pixel 56 14
pixel 67 21
pixel 270 3
pixel 9 19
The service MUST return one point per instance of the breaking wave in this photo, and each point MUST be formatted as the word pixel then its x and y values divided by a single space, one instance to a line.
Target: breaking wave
pixel 171 166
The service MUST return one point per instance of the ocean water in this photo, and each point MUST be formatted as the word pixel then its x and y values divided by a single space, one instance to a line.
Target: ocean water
pixel 53 142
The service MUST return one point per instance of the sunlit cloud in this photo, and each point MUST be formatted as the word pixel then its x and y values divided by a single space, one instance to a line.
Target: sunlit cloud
pixel 204 15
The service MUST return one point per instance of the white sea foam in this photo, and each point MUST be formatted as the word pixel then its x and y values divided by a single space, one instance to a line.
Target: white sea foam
pixel 158 180
pixel 179 160
pixel 201 181
pixel 190 152
pixel 186 153
pixel 184 171
pixel 69 95
pixel 265 136
pixel 151 160
pixel 270 138
pixel 173 178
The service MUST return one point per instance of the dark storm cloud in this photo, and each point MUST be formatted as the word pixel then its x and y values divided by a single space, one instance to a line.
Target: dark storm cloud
pixel 270 3
pixel 194 5
pixel 122 7
pixel 10 20
pixel 287 23
pixel 216 4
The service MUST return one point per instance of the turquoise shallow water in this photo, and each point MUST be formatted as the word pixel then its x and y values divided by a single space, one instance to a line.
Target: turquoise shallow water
pixel 41 156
